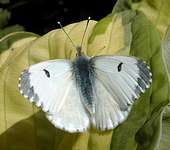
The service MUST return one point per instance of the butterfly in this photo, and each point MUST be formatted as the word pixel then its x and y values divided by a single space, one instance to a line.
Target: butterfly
pixel 94 91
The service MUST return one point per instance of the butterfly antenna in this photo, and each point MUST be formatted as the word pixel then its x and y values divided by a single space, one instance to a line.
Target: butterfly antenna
pixel 59 23
pixel 89 18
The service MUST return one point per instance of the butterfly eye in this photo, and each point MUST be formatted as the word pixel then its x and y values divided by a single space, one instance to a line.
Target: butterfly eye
pixel 119 67
pixel 46 73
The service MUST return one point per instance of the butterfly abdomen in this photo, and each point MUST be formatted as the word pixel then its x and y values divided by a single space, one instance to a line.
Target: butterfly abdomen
pixel 83 72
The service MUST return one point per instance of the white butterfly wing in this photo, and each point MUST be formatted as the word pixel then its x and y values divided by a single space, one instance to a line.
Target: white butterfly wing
pixel 119 80
pixel 51 86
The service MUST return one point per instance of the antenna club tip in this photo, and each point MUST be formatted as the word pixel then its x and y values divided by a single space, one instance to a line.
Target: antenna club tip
pixel 58 22
pixel 89 18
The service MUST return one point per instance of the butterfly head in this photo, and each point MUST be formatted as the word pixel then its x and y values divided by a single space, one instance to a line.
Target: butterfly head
pixel 78 48
pixel 79 51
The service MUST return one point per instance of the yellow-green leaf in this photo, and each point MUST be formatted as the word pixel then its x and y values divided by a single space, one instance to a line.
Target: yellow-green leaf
pixel 112 35
pixel 10 42
pixel 10 29
pixel 157 11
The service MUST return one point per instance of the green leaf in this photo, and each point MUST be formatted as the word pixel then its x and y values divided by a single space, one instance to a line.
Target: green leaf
pixel 157 11
pixel 9 43
pixel 111 35
pixel 159 98
pixel 4 18
pixel 10 29
pixel 4 29
pixel 166 51
pixel 164 144
pixel 122 5
pixel 142 128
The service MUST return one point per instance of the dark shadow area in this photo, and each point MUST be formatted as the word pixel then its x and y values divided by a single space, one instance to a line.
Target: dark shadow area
pixel 41 16
pixel 36 132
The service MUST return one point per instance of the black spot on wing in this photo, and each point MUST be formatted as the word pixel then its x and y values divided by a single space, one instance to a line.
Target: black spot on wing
pixel 119 67
pixel 47 73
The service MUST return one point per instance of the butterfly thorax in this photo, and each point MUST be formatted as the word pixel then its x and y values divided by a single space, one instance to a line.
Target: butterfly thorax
pixel 83 72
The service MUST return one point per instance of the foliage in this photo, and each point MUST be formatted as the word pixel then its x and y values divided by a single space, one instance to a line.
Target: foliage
pixel 4 19
pixel 126 31
pixel 4 1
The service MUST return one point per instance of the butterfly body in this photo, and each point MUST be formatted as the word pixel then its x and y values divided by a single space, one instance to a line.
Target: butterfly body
pixel 83 72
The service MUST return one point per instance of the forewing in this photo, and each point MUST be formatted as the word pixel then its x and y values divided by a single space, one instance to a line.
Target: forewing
pixel 51 86
pixel 119 80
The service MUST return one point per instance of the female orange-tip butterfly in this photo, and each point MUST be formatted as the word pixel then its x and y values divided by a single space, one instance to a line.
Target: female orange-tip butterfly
pixel 89 91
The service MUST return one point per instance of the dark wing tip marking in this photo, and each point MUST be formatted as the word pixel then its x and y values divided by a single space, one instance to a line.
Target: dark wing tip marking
pixel 26 89
pixel 145 79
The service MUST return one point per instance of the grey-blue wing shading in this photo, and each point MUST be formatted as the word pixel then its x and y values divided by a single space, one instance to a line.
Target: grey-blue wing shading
pixel 51 86
pixel 119 80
